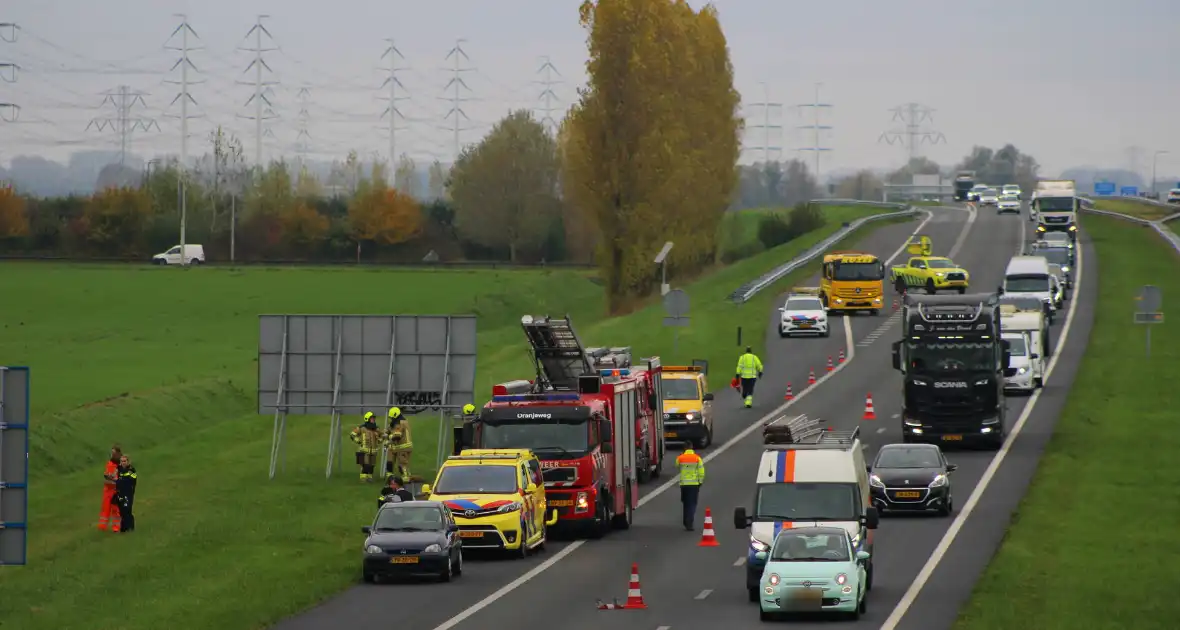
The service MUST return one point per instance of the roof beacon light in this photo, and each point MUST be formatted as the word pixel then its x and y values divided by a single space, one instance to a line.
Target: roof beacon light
pixel 616 373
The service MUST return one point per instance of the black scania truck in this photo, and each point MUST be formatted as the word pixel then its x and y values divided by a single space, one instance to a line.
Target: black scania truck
pixel 953 361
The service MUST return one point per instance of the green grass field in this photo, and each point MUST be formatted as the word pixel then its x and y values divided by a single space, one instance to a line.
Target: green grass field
pixel 1098 523
pixel 1148 211
pixel 162 361
pixel 739 229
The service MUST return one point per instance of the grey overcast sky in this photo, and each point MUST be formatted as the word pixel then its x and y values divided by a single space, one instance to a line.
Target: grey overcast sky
pixel 1070 82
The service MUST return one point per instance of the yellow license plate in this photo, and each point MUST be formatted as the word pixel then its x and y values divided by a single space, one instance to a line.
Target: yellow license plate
pixel 805 325
pixel 670 435
pixel 404 560
pixel 908 494
pixel 561 503
pixel 952 438
pixel 470 534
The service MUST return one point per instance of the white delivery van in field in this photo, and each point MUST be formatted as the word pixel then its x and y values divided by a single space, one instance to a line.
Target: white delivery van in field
pixel 194 255
pixel 1030 276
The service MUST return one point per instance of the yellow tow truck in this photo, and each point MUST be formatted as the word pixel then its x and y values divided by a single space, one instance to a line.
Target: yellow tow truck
pixel 926 271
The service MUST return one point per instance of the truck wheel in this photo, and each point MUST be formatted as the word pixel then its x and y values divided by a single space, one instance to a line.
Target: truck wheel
pixel 601 524
pixel 930 290
pixel 659 469
pixel 623 521
pixel 705 442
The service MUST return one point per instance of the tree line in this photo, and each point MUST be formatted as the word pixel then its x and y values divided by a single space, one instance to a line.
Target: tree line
pixel 1006 165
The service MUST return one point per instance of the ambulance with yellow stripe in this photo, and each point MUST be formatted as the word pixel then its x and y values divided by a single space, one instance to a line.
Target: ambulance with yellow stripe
pixel 808 476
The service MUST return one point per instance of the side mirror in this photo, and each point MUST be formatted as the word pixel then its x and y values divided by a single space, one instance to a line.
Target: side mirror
pixel 1007 359
pixel 872 518
pixel 782 309
pixel 425 489
pixel 708 397
pixel 532 487
pixel 1034 356
pixel 606 432
pixel 761 555
pixel 608 448
pixel 897 355
pixel 740 520
pixel 1000 290
pixel 868 468
pixel 366 530
pixel 952 467
pixel 863 555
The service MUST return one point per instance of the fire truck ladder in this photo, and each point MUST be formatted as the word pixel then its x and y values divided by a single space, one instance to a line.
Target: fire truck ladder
pixel 558 354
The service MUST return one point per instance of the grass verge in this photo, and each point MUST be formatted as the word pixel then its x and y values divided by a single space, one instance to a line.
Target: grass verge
pixel 1139 209
pixel 1098 520
pixel 739 229
pixel 218 546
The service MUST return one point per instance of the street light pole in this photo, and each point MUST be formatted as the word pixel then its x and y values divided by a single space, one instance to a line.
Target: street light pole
pixel 1154 161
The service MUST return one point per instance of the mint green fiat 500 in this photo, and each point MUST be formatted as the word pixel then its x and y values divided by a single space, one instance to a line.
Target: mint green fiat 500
pixel 813 569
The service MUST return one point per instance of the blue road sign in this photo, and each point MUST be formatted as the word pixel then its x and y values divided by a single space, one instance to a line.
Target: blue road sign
pixel 1104 188
pixel 1129 191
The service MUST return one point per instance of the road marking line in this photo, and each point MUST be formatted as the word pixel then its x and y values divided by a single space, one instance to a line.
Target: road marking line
pixel 936 556
pixel 650 496
pixel 703 594
pixel 971 216
pixel 739 562
pixel 664 628
pixel 881 430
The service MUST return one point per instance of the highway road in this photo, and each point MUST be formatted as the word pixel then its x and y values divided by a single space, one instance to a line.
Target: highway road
pixel 686 586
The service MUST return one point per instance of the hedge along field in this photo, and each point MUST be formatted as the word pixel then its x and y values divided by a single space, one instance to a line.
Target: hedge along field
pixel 169 355
pixel 738 233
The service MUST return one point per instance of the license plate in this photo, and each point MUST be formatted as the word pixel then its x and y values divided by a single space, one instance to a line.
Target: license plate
pixel 470 534
pixel 809 594
pixel 671 435
pixel 952 438
pixel 908 494
pixel 404 560
pixel 561 503
pixel 805 325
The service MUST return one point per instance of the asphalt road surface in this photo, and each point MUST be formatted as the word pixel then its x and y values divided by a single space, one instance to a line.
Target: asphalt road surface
pixel 688 587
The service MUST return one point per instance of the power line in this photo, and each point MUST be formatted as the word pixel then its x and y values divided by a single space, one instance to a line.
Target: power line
pixel 392 83
pixel 302 123
pixel 548 96
pixel 456 83
pixel 9 112
pixel 261 88
pixel 767 109
pixel 185 64
pixel 816 128
pixel 123 99
pixel 915 117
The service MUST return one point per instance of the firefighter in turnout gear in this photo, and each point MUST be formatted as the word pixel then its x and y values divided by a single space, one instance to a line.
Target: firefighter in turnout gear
pixel 401 445
pixel 692 475
pixel 368 443
pixel 749 370
pixel 469 409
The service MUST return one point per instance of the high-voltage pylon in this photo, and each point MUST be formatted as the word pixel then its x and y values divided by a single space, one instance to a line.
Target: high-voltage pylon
pixel 302 126
pixel 9 112
pixel 769 110
pixel 184 64
pixel 393 84
pixel 548 96
pixel 457 55
pixel 914 132
pixel 263 109
pixel 817 129
pixel 123 99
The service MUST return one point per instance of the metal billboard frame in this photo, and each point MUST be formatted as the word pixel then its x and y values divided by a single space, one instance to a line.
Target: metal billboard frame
pixel 14 465
pixel 337 364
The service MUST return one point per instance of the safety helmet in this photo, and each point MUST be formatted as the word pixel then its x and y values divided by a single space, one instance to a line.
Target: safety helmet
pixel 368 416
pixel 689 451
pixel 468 409
pixel 394 413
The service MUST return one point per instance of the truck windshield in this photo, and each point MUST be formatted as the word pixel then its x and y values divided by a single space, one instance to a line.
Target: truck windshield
pixel 807 502
pixel 858 271
pixel 943 357
pixel 1031 283
pixel 573 437
pixel 1055 204
pixel 681 389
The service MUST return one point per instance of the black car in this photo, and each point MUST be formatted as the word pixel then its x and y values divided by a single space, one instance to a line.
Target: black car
pixel 412 538
pixel 911 477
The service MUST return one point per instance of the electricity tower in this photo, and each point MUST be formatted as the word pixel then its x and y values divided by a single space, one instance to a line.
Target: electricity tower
pixel 768 108
pixel 456 84
pixel 123 100
pixel 915 131
pixel 9 112
pixel 392 83
pixel 548 96
pixel 185 64
pixel 262 89
pixel 816 129
pixel 302 123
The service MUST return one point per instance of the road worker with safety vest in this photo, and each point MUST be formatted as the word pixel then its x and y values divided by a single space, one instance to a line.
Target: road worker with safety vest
pixel 368 443
pixel 400 444
pixel 749 370
pixel 692 475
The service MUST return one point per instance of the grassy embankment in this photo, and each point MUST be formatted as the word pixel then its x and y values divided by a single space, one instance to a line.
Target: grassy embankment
pixel 739 229
pixel 1097 525
pixel 162 361
pixel 1139 209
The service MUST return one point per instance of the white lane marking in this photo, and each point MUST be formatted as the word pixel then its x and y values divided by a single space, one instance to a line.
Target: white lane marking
pixel 971 216
pixel 664 628
pixel 881 430
pixel 929 216
pixel 703 594
pixel 739 562
pixel 896 416
pixel 952 532
pixel 850 352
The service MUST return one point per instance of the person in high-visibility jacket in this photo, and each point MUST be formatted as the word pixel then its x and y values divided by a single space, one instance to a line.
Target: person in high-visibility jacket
pixel 692 475
pixel 401 445
pixel 108 515
pixel 749 370
pixel 368 443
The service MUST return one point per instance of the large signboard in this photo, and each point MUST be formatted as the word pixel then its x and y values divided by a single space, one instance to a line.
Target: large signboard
pixel 14 464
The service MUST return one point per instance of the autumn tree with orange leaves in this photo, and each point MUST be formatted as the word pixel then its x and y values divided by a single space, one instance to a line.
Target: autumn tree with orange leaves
pixel 304 228
pixel 14 218
pixel 116 220
pixel 381 215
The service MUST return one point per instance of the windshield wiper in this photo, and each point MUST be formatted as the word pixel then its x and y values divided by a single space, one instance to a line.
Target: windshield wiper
pixel 553 448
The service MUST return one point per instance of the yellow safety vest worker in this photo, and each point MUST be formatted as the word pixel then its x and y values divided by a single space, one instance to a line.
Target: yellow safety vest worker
pixel 749 366
pixel 692 468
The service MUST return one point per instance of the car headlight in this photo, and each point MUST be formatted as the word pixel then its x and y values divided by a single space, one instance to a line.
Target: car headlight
pixel 938 482
pixel 511 507
pixel 1022 371
pixel 772 579
pixel 435 548
pixel 758 545
pixel 841 579
pixel 688 416
pixel 1073 228
pixel 939 274
pixel 373 550
pixel 876 482
pixel 582 502
pixel 1065 269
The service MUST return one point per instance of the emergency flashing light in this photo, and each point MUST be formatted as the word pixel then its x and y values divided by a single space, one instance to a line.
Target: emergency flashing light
pixel 623 372
pixel 535 397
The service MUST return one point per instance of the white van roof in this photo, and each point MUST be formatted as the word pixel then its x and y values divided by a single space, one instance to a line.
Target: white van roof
pixel 791 465
pixel 1027 265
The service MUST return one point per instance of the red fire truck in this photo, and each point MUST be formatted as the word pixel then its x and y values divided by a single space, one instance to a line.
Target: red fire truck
pixel 594 421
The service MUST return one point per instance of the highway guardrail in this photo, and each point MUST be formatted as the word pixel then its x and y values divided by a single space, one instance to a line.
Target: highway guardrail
pixel 748 290
pixel 1161 229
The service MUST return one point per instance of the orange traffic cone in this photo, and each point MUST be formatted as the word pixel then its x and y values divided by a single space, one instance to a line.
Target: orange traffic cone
pixel 634 597
pixel 830 366
pixel 811 377
pixel 708 537
pixel 614 606
pixel 790 395
pixel 841 359
pixel 870 414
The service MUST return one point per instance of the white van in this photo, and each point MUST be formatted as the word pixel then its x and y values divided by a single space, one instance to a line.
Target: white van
pixel 1030 276
pixel 194 255
pixel 807 476
pixel 1025 371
